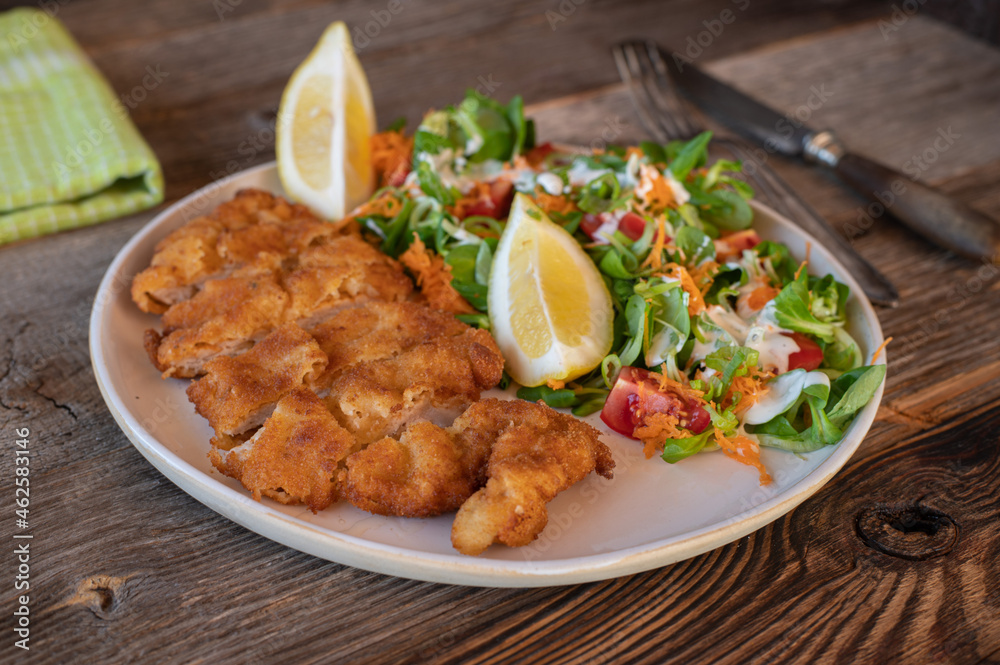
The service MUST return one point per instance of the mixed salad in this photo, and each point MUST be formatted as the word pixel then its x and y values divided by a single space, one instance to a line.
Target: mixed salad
pixel 721 339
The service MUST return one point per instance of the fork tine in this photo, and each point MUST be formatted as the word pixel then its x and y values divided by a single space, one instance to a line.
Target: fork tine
pixel 657 107
pixel 624 55
pixel 664 85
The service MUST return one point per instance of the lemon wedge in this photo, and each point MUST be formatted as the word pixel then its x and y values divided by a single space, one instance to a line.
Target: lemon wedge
pixel 325 123
pixel 549 308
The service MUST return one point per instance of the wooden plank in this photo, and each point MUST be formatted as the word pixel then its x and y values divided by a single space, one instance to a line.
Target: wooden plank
pixel 131 569
pixel 221 89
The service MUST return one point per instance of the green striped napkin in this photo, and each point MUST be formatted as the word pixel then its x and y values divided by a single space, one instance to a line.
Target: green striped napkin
pixel 69 155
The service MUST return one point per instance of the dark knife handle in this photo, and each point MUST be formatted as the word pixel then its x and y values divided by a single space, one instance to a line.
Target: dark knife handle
pixel 937 217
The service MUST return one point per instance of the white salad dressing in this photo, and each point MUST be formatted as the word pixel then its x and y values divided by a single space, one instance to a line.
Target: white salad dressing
pixel 580 174
pixel 760 332
pixel 607 227
pixel 681 195
pixel 782 391
pixel 550 182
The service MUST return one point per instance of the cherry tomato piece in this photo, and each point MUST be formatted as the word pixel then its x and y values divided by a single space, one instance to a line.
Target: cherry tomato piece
pixel 591 223
pixel 632 225
pixel 497 204
pixel 732 245
pixel 622 409
pixel 808 357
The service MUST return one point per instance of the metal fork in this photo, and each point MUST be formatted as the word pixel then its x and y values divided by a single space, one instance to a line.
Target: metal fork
pixel 667 117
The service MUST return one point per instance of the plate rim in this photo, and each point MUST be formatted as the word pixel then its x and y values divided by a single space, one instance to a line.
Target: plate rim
pixel 358 552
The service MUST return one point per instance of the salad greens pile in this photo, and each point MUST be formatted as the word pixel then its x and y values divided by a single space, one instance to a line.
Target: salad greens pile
pixel 700 300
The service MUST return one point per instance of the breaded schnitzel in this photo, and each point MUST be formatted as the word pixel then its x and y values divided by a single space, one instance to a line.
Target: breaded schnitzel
pixel 373 399
pixel 377 330
pixel 237 394
pixel 537 453
pixel 228 315
pixel 523 453
pixel 428 471
pixel 230 236
pixel 294 457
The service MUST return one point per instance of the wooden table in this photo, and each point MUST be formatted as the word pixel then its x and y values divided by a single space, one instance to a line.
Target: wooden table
pixel 125 567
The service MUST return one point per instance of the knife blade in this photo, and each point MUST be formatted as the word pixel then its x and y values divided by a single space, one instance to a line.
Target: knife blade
pixel 941 219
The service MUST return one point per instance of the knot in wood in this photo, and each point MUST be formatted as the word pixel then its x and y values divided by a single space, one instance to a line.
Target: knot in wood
pixel 907 531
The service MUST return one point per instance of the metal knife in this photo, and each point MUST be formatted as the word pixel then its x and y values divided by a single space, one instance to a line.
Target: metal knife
pixel 940 219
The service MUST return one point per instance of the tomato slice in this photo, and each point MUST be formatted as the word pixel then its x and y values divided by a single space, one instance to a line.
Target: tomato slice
pixel 497 204
pixel 591 222
pixel 538 154
pixel 621 410
pixel 732 245
pixel 632 225
pixel 808 357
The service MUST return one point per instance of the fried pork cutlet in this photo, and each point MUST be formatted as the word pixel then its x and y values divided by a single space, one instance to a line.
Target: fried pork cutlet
pixel 409 359
pixel 376 398
pixel 228 315
pixel 233 235
pixel 428 471
pixel 538 452
pixel 345 270
pixel 294 457
pixel 378 330
pixel 225 318
pixel 238 394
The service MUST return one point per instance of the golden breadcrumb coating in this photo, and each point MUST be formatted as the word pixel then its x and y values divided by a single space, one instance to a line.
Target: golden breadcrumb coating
pixel 223 319
pixel 374 399
pixel 538 452
pixel 229 314
pixel 377 330
pixel 294 457
pixel 427 472
pixel 237 394
pixel 345 270
pixel 213 245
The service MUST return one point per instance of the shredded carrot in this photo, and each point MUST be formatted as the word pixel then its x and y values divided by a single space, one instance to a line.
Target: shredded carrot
pixel 655 258
pixel 556 384
pixel 702 274
pixel 386 205
pixel 480 191
pixel 743 449
pixel 551 203
pixel 761 296
pixel 520 162
pixel 655 430
pixel 653 190
pixel 696 301
pixel 750 387
pixel 881 348
pixel 433 276
pixel 687 392
pixel 633 150
pixel 391 154
pixel 801 268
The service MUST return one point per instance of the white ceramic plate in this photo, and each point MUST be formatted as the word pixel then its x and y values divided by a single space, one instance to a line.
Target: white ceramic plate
pixel 650 515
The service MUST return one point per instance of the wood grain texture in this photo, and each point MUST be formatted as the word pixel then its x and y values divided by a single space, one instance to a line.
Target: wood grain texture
pixel 128 568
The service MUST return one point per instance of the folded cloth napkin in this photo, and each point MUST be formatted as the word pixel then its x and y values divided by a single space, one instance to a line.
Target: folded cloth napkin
pixel 69 155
